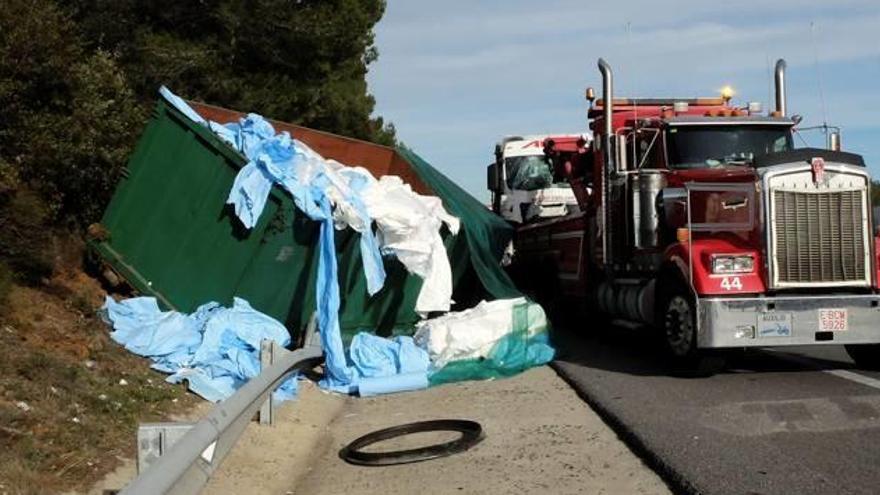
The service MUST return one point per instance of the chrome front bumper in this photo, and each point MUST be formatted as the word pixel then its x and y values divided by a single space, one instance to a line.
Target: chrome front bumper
pixel 738 322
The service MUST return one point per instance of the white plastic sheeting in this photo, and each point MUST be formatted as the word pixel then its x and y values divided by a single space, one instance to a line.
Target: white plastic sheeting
pixel 474 333
pixel 409 226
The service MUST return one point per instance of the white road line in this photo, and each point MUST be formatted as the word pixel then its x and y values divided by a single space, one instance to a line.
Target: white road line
pixel 845 374
pixel 855 377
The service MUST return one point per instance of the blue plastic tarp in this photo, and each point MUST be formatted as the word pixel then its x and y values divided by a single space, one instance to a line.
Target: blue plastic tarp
pixel 215 349
pixel 387 365
pixel 373 356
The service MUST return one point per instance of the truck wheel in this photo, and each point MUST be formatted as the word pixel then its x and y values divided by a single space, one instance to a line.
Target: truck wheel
pixel 548 292
pixel 679 334
pixel 866 356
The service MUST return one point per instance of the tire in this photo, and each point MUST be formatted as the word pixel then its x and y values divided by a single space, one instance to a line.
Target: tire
pixel 866 356
pixel 594 322
pixel 678 332
pixel 471 434
pixel 549 292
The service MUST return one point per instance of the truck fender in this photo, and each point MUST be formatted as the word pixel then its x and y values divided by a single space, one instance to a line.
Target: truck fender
pixel 674 270
pixel 675 263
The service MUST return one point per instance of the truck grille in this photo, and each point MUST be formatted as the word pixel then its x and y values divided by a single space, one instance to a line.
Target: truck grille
pixel 819 237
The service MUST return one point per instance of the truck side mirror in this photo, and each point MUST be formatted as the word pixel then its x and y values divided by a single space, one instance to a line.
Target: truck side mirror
pixel 493 177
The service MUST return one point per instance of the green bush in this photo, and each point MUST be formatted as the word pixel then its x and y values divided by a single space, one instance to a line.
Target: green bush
pixel 70 117
pixel 25 225
pixel 75 158
pixel 26 242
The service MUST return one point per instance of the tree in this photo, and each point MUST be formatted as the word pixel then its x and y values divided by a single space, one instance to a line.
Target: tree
pixel 70 116
pixel 77 77
pixel 300 61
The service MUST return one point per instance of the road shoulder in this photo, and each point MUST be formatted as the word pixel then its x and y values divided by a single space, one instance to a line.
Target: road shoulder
pixel 540 438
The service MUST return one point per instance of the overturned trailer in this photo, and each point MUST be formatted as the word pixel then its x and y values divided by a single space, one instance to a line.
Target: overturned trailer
pixel 169 233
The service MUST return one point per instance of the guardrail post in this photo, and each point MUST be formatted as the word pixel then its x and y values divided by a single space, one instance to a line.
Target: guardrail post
pixel 186 467
pixel 267 358
pixel 270 353
pixel 154 439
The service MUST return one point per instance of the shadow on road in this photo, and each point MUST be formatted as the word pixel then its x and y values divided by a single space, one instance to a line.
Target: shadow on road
pixel 637 352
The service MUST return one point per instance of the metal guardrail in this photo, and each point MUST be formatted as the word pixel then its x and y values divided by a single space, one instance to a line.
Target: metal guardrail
pixel 188 465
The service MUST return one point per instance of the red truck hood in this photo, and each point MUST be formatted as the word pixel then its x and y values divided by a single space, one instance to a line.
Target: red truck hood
pixel 734 173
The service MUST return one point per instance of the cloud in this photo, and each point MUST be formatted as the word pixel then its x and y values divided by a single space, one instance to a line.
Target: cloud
pixel 454 76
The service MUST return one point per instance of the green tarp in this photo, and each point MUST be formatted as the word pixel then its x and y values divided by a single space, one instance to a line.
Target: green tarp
pixel 485 233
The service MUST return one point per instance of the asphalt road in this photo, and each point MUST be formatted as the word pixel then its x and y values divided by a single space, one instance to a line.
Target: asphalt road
pixel 799 421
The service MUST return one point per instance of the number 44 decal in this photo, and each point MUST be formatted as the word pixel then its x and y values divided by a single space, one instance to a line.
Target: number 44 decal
pixel 731 283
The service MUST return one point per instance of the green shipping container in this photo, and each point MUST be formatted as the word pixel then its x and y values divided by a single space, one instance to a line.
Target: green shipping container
pixel 169 233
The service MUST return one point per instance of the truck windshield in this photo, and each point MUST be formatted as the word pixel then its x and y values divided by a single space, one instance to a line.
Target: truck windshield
pixel 528 172
pixel 717 145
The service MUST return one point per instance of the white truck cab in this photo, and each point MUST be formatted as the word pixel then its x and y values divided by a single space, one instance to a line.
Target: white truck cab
pixel 527 187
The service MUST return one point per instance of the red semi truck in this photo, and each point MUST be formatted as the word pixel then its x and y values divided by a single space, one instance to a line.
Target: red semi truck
pixel 702 220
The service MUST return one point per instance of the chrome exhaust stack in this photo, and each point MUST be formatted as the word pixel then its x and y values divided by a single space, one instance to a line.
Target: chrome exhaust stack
pixel 780 87
pixel 608 153
pixel 607 111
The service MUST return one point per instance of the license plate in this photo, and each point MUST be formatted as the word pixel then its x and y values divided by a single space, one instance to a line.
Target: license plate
pixel 774 324
pixel 833 320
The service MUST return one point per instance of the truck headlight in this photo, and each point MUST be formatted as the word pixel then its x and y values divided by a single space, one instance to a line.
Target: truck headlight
pixel 733 264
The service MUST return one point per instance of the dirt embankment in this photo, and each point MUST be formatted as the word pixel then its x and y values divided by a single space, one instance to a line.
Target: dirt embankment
pixel 70 397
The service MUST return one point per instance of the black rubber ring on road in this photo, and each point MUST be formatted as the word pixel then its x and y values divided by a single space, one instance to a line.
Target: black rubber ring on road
pixel 471 434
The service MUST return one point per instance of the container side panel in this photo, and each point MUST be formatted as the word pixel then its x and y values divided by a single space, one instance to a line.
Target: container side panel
pixel 280 278
pixel 169 221
pixel 389 311
pixel 128 190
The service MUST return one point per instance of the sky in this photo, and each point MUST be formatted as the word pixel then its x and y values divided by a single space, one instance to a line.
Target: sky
pixel 455 76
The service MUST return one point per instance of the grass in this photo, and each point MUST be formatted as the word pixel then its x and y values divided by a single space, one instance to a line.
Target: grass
pixel 70 398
